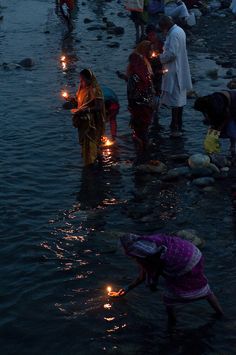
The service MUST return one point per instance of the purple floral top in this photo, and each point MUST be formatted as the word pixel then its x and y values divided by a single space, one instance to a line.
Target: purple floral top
pixel 179 256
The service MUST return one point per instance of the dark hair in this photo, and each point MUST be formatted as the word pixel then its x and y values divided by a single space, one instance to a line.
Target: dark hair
pixel 165 22
pixel 86 74
pixel 214 106
pixel 150 28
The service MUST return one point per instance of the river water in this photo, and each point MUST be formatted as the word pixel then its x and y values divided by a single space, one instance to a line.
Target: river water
pixel 60 224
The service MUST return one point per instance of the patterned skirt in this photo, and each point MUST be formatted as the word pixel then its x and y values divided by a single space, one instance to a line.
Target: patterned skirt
pixel 188 287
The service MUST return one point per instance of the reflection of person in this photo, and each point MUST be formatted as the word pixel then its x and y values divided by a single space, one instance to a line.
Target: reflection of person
pixel 177 79
pixel 66 8
pixel 178 261
pixel 89 116
pixel 219 110
pixel 112 108
pixel 140 92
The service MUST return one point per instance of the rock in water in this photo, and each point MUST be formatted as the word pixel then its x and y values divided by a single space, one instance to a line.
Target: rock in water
pixel 191 236
pixel 199 161
pixel 158 168
pixel 204 181
pixel 27 63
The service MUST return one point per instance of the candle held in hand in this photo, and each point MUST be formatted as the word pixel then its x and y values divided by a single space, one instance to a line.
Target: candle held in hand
pixel 65 94
pixel 154 54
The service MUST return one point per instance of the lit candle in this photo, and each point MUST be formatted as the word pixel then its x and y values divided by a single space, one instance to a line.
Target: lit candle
pixel 65 94
pixel 154 54
pixel 106 142
pixel 109 288
pixel 63 58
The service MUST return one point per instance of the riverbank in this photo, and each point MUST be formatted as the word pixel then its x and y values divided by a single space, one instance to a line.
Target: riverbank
pixel 216 36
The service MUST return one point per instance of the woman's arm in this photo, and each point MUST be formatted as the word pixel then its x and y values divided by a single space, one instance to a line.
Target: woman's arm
pixel 140 279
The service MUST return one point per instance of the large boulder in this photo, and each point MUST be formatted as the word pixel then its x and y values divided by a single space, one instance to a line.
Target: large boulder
pixel 199 161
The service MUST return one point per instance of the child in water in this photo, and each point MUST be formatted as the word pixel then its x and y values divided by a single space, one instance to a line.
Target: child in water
pixel 178 261
pixel 112 109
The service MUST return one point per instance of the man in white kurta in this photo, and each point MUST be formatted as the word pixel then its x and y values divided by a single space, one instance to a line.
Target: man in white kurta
pixel 176 80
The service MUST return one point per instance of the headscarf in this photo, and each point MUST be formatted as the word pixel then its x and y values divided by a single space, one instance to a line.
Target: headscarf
pixel 89 93
pixel 138 61
pixel 137 246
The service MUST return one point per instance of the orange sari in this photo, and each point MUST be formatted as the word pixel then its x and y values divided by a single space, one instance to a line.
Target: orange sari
pixel 91 125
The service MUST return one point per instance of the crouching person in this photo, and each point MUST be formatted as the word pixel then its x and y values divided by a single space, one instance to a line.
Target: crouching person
pixel 219 110
pixel 178 261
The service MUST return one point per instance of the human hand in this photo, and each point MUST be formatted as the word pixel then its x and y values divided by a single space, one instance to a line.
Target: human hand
pixel 120 75
pixel 120 293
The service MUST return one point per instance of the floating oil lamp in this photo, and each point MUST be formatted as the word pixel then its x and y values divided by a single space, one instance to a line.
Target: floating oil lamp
pixel 106 142
pixel 154 54
pixel 65 94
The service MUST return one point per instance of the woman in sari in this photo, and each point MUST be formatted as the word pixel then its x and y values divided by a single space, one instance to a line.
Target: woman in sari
pixel 178 261
pixel 140 92
pixel 89 116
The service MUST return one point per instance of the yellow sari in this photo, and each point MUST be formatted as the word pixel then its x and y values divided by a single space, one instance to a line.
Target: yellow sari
pixel 91 125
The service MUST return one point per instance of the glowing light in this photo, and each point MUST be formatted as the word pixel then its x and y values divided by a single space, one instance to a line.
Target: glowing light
pixel 164 71
pixel 154 54
pixel 109 288
pixel 65 94
pixel 63 65
pixel 63 58
pixel 107 306
pixel 106 142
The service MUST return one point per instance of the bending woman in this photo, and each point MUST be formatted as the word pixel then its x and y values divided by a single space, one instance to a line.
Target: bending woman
pixel 178 261
pixel 89 116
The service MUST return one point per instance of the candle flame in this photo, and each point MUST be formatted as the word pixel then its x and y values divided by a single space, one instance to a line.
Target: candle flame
pixel 154 54
pixel 107 142
pixel 65 94
pixel 109 288
pixel 63 58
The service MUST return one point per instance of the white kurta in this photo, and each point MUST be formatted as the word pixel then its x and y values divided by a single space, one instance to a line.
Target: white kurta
pixel 233 6
pixel 177 81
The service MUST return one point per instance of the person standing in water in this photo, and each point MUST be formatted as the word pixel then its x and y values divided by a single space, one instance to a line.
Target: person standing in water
pixel 89 116
pixel 140 94
pixel 178 261
pixel 177 79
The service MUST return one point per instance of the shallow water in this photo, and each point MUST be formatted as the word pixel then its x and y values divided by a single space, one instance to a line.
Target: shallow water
pixel 60 224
